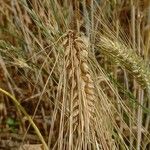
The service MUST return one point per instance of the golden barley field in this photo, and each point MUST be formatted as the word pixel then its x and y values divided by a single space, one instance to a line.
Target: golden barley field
pixel 74 74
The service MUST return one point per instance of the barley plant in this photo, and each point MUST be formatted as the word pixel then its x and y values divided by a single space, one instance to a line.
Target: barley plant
pixel 75 74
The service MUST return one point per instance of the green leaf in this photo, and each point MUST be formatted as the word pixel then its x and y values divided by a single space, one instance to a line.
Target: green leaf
pixel 11 122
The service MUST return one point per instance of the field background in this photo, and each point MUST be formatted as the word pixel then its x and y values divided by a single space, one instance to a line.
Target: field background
pixel 75 74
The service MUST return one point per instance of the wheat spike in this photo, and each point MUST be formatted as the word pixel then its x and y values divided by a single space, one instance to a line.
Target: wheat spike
pixel 128 58
pixel 80 85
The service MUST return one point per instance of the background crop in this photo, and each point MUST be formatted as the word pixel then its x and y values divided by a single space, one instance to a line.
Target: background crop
pixel 74 74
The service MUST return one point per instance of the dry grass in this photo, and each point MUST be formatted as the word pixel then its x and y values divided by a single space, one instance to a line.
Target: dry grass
pixel 80 69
